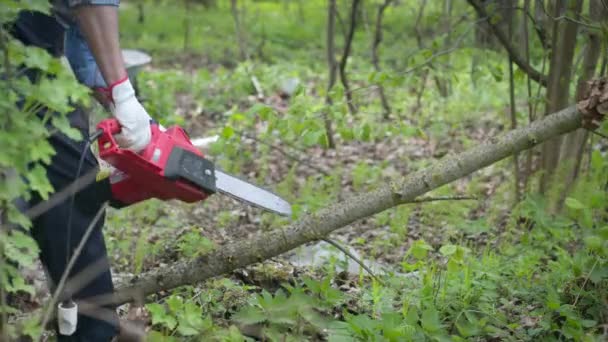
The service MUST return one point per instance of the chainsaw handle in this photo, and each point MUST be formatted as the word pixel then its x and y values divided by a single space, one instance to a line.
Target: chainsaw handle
pixel 109 126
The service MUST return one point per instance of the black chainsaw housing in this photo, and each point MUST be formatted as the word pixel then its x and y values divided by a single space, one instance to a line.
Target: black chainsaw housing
pixel 191 167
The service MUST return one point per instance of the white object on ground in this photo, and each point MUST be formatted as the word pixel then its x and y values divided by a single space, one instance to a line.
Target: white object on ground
pixel 205 141
pixel 67 318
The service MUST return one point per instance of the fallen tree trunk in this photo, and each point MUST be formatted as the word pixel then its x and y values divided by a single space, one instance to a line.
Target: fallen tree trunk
pixel 316 226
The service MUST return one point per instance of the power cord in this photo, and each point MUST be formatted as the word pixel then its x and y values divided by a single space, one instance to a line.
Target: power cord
pixel 68 299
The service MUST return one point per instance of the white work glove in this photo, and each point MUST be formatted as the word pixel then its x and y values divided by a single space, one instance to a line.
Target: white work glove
pixel 135 131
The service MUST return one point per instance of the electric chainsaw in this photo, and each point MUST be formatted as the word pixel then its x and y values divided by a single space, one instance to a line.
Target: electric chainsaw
pixel 170 167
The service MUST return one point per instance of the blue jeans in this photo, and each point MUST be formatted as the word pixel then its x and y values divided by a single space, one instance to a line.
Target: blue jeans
pixel 81 59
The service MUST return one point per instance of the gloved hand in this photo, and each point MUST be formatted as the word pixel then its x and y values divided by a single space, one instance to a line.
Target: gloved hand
pixel 135 122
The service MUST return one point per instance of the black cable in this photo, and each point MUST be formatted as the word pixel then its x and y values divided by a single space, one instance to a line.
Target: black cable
pixel 68 241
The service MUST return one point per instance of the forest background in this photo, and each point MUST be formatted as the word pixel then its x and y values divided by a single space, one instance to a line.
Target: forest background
pixel 332 103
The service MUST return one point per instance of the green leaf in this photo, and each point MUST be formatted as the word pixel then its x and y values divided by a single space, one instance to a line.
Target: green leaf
pixel 467 327
pixel 573 203
pixel 191 320
pixel 553 301
pixel 430 320
pixel 18 284
pixel 160 317
pixel 63 124
pixel 42 151
pixel 420 249
pixel 448 250
pixel 227 132
pixel 175 304
pixel 588 323
pixel 249 315
pixel 594 242
pixel 38 181
pixel 364 132
pixel 20 248
pixel 36 58
pixel 312 137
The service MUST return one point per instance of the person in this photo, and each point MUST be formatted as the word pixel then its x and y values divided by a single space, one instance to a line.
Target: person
pixel 87 32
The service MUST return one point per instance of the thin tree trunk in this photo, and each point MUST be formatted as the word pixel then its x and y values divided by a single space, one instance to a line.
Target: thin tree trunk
pixel 513 116
pixel 560 75
pixel 332 68
pixel 140 12
pixel 443 83
pixel 419 93
pixel 417 32
pixel 300 6
pixel 187 25
pixel 318 225
pixel 347 47
pixel 234 8
pixel 375 60
pixel 543 22
pixel 575 142
pixel 526 44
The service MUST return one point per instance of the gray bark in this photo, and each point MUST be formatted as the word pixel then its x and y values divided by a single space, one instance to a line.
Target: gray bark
pixel 575 142
pixel 560 75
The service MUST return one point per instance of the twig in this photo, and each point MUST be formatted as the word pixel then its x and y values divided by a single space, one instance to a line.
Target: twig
pixel 285 153
pixel 599 134
pixel 258 87
pixel 517 59
pixel 578 295
pixel 68 268
pixel 428 61
pixel 355 259
pixel 73 188
pixel 567 18
pixel 444 198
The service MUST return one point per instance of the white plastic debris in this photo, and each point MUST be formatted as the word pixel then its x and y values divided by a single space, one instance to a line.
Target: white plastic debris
pixel 205 141
pixel 67 318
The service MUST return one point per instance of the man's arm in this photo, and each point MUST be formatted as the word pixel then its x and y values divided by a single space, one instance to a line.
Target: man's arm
pixel 98 23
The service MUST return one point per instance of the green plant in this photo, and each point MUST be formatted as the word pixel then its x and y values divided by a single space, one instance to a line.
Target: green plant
pixel 180 316
pixel 193 244
pixel 25 149
pixel 281 313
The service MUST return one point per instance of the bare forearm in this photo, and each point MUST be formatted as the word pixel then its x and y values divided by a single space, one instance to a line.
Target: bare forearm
pixel 99 25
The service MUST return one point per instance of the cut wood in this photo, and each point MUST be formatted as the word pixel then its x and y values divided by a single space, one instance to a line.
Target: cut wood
pixel 317 226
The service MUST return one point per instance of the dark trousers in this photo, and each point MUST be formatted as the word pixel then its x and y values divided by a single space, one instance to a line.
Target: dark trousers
pixel 50 230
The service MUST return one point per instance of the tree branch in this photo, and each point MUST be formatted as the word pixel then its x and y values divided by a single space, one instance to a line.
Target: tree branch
pixel 318 225
pixel 354 258
pixel 511 50
pixel 444 198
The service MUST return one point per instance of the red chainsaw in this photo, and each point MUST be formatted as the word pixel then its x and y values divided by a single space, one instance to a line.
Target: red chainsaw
pixel 170 167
